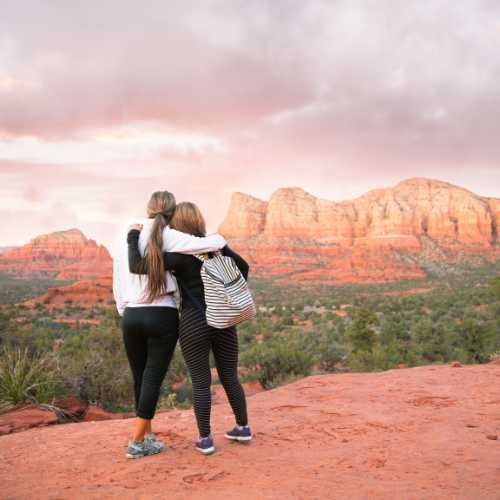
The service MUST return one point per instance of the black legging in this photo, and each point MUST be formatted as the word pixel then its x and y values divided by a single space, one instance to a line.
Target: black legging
pixel 150 335
pixel 196 339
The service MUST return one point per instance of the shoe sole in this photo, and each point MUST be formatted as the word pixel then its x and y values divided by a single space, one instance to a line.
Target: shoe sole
pixel 241 439
pixel 206 451
pixel 142 456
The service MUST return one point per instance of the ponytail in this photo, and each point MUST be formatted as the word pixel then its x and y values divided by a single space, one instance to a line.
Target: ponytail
pixel 161 208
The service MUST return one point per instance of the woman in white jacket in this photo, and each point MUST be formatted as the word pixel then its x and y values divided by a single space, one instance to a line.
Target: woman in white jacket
pixel 150 317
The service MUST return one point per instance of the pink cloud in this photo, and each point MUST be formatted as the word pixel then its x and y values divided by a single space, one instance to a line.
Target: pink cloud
pixel 336 97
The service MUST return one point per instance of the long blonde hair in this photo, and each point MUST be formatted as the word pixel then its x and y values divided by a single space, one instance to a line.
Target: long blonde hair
pixel 161 208
pixel 188 219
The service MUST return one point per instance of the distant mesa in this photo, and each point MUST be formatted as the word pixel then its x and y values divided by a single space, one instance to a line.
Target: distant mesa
pixel 66 255
pixel 384 235
pixel 396 233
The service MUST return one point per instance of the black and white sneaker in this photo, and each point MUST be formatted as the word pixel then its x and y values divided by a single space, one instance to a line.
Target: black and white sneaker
pixel 205 445
pixel 243 434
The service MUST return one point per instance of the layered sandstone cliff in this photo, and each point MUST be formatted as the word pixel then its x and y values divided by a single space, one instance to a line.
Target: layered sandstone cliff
pixel 383 235
pixel 63 254
pixel 386 234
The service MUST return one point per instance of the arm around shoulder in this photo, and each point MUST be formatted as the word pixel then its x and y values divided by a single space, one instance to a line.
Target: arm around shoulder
pixel 179 242
pixel 134 255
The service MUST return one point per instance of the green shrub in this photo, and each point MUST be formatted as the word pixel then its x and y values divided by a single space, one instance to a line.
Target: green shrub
pixel 430 341
pixel 327 346
pixel 472 339
pixel 361 361
pixel 25 377
pixel 277 360
pixel 95 368
pixel 495 286
pixel 361 332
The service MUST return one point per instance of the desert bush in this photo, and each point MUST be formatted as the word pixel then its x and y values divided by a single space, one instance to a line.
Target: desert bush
pixel 328 348
pixel 277 360
pixel 494 284
pixel 26 377
pixel 430 341
pixel 95 368
pixel 473 339
pixel 167 401
pixel 361 361
pixel 361 331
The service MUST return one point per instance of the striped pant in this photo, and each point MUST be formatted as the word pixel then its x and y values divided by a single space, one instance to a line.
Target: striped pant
pixel 197 339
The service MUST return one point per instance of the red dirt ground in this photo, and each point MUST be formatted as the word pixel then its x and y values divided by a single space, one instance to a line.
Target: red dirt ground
pixel 417 433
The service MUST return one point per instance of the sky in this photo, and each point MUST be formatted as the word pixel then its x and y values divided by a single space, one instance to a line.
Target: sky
pixel 102 103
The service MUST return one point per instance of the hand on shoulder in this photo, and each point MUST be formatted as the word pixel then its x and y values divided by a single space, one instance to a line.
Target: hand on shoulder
pixel 136 227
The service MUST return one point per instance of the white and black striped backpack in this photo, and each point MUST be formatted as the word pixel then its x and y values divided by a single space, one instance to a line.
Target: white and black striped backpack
pixel 228 298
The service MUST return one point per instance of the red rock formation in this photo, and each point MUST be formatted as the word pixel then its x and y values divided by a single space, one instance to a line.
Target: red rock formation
pixel 86 293
pixel 64 255
pixel 22 419
pixel 95 413
pixel 412 433
pixel 383 235
pixel 249 219
pixel 25 418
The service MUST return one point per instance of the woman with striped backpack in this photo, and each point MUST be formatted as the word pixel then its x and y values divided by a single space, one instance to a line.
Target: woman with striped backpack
pixel 215 297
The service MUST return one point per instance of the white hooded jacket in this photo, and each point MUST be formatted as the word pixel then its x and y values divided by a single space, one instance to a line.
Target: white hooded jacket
pixel 129 289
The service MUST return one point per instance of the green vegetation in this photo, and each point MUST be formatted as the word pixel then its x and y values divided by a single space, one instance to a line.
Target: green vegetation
pixel 278 359
pixel 300 329
pixel 25 377
pixel 15 289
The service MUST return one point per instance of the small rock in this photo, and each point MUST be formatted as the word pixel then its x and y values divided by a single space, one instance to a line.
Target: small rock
pixel 72 406
pixel 401 365
pixel 94 413
pixel 456 364
pixel 493 437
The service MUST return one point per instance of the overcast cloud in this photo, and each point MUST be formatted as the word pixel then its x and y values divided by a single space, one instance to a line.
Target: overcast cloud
pixel 103 102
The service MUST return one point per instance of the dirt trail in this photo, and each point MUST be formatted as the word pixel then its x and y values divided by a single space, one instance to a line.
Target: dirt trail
pixel 425 432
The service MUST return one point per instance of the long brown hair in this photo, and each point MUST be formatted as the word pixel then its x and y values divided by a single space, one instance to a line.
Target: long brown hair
pixel 161 208
pixel 188 219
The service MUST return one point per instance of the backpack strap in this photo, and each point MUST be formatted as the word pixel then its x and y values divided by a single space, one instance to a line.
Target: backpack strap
pixel 204 258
